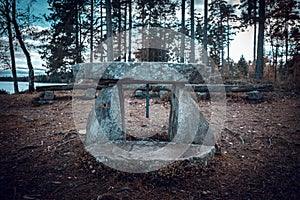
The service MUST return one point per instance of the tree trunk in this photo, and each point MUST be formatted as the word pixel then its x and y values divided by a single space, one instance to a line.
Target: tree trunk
pixel 23 47
pixel 222 48
pixel 101 31
pixel 254 36
pixel 120 31
pixel 286 51
pixel 228 48
pixel 182 47
pixel 205 33
pixel 92 32
pixel 110 50
pixel 77 34
pixel 273 54
pixel 254 42
pixel 192 32
pixel 259 70
pixel 130 33
pixel 276 62
pixel 125 33
pixel 11 48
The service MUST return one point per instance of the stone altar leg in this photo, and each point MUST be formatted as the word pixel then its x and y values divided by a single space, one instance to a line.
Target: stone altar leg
pixel 173 118
pixel 186 122
pixel 105 119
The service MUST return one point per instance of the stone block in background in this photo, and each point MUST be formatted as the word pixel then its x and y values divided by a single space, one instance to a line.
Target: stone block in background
pixel 254 95
pixel 139 94
pixel 49 95
pixel 202 95
pixel 162 93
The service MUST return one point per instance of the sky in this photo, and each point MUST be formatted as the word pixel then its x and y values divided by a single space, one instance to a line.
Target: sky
pixel 241 45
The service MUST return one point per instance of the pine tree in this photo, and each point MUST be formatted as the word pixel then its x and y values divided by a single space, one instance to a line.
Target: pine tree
pixel 20 39
pixel 282 32
pixel 249 10
pixel 110 50
pixel 156 13
pixel 5 21
pixel 242 66
pixel 259 69
pixel 220 29
pixel 64 47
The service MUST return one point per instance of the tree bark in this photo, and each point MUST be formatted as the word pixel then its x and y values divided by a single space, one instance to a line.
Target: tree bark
pixel 120 30
pixel 254 36
pixel 286 51
pixel 222 48
pixel 110 51
pixel 130 33
pixel 11 48
pixel 101 31
pixel 182 47
pixel 259 70
pixel 228 46
pixel 192 32
pixel 254 42
pixel 125 32
pixel 23 47
pixel 92 32
pixel 12 57
pixel 205 33
pixel 78 35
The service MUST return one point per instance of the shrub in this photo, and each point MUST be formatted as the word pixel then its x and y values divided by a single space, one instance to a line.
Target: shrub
pixel 2 91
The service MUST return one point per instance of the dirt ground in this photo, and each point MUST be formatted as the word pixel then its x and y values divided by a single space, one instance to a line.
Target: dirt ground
pixel 42 157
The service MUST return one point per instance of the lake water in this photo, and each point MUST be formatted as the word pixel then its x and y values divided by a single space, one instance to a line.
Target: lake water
pixel 9 86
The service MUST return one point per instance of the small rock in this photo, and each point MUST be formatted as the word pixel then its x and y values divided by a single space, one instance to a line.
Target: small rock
pixel 162 93
pixel 254 96
pixel 139 93
pixel 49 95
pixel 27 118
pixel 56 182
pixel 202 95
pixel 206 192
pixel 28 197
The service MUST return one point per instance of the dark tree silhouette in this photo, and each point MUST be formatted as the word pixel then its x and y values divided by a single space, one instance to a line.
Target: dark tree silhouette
pixel 259 69
pixel 23 47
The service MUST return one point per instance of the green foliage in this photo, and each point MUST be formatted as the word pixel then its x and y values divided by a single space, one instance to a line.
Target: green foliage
pixel 242 66
pixel 3 92
pixel 157 13
pixel 63 49
pixel 63 78
pixel 282 30
pixel 221 28
pixel 4 56
pixel 249 10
